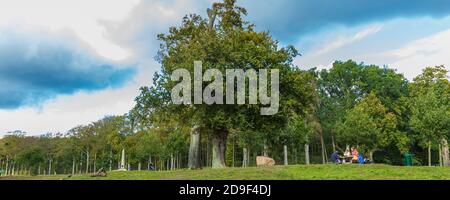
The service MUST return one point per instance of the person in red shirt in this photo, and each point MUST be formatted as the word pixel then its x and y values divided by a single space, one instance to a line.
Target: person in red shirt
pixel 355 155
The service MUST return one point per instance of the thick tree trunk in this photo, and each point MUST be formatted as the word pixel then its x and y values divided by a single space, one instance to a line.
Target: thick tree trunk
pixel 194 149
pixel 445 153
pixel 139 166
pixel 285 150
pixel 307 154
pixel 219 148
pixel 429 153
pixel 371 152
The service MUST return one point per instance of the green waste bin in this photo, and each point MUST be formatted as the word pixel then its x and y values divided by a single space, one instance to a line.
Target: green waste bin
pixel 408 159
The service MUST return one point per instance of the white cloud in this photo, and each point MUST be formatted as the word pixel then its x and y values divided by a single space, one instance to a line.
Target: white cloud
pixel 416 55
pixel 114 29
pixel 404 45
pixel 81 16
pixel 139 29
pixel 66 112
pixel 322 49
pixel 342 41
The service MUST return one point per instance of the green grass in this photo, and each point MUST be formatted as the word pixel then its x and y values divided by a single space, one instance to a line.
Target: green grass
pixel 295 172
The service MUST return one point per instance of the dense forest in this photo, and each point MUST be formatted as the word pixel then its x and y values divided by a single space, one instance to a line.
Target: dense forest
pixel 372 108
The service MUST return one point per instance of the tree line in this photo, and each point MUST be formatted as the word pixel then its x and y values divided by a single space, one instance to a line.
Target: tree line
pixel 369 107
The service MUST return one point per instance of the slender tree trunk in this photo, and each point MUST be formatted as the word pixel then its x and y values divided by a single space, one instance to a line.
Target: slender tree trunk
pixel 322 144
pixel 285 150
pixel 332 141
pixel 208 152
pixel 234 153
pixel 110 160
pixel 445 153
pixel 295 156
pixel 39 168
pixel 50 166
pixel 139 166
pixel 440 155
pixel 79 165
pixel 266 151
pixel 172 162
pixel 429 153
pixel 87 161
pixel 245 157
pixel 194 149
pixel 54 166
pixel 95 162
pixel 7 166
pixel 13 168
pixel 219 148
pixel 307 154
pixel 73 166
pixel 149 162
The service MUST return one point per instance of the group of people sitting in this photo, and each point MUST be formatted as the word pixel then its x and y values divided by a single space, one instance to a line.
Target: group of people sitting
pixel 351 155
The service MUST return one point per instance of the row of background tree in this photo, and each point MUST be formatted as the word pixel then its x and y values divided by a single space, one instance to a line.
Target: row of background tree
pixel 372 108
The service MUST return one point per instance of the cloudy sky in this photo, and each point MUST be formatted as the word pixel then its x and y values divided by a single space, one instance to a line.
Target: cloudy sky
pixel 66 62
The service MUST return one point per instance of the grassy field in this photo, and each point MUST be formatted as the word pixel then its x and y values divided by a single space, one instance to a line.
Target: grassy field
pixel 312 172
